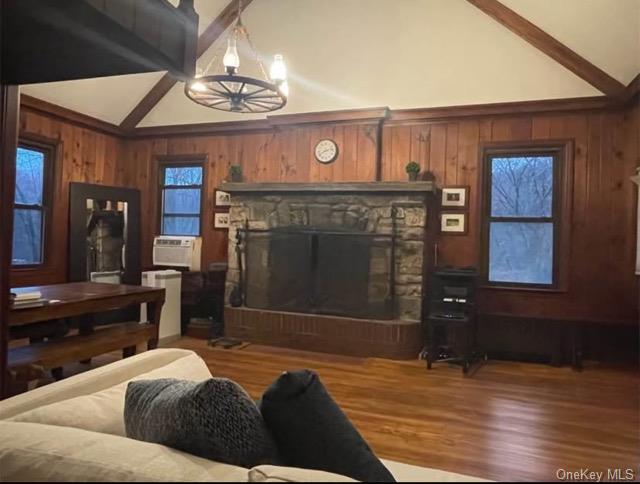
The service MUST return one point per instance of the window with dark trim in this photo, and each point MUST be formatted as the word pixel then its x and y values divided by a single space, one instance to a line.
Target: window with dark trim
pixel 521 223
pixel 32 203
pixel 181 198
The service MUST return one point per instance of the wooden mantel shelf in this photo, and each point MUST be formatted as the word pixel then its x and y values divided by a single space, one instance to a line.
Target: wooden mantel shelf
pixel 340 187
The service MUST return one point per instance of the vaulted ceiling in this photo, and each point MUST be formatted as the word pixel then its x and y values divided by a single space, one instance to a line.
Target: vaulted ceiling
pixel 344 54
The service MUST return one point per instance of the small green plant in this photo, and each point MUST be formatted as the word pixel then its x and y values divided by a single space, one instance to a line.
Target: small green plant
pixel 412 170
pixel 235 173
pixel 412 167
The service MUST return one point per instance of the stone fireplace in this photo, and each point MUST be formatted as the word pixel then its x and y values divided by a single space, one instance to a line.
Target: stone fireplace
pixel 335 267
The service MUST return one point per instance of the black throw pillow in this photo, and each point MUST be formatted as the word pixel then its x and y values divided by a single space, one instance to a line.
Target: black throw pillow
pixel 312 432
pixel 214 419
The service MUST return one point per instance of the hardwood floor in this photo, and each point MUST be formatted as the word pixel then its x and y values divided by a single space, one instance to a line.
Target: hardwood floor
pixel 510 421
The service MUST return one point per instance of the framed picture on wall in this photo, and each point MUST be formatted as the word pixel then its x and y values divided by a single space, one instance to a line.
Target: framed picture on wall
pixel 223 199
pixel 221 220
pixel 453 223
pixel 455 196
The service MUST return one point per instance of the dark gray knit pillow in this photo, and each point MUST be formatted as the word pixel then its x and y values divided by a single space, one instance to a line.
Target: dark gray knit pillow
pixel 214 419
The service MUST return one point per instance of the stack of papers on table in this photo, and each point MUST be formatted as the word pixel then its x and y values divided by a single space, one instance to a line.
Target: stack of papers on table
pixel 28 300
pixel 27 296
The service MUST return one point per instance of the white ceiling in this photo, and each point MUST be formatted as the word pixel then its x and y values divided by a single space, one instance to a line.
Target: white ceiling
pixel 605 32
pixel 344 54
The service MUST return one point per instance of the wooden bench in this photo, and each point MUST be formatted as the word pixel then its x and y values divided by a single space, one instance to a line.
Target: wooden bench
pixel 27 362
pixel 79 299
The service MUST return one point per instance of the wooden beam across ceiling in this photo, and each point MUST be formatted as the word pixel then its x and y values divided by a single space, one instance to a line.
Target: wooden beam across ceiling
pixel 215 29
pixel 552 47
pixel 633 89
pixel 32 104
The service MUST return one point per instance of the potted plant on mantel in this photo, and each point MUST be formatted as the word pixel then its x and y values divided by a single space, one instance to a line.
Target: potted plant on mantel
pixel 235 173
pixel 413 170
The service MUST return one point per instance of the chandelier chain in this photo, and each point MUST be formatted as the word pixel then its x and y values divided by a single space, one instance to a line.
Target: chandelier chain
pixel 255 53
pixel 256 57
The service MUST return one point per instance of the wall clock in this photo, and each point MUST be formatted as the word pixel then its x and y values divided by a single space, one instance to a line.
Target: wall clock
pixel 326 151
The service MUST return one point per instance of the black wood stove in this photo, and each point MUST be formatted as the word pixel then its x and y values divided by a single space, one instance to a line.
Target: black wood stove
pixel 451 323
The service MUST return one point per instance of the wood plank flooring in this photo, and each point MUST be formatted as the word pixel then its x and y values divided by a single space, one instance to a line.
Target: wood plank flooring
pixel 510 421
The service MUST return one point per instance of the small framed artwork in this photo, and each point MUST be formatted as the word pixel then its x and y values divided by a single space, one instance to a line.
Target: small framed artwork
pixel 221 220
pixel 223 199
pixel 453 223
pixel 455 197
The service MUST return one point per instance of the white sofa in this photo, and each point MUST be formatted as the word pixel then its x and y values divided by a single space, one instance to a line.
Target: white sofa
pixel 73 430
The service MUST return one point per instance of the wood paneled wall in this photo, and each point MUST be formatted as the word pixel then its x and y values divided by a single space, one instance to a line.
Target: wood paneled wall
pixel 601 283
pixel 283 155
pixel 82 155
pixel 602 286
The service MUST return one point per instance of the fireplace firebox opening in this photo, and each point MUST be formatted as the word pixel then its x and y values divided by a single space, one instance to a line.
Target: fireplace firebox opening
pixel 317 270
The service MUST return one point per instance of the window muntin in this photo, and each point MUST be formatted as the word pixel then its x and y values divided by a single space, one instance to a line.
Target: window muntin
pixel 521 221
pixel 181 199
pixel 30 205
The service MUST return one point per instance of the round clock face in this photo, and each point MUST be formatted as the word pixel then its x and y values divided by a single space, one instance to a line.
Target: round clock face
pixel 326 151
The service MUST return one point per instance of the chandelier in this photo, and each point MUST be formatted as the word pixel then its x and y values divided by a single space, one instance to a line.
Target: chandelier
pixel 229 91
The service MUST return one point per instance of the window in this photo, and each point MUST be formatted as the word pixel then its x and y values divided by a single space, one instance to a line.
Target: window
pixel 30 208
pixel 181 198
pixel 521 220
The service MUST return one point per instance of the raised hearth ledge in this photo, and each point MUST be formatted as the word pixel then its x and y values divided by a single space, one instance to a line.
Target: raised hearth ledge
pixel 339 187
pixel 394 339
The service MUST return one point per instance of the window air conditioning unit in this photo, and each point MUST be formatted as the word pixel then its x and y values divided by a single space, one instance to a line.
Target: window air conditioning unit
pixel 177 251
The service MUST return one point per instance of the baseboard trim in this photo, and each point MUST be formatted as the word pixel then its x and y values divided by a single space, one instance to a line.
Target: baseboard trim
pixel 553 341
pixel 167 340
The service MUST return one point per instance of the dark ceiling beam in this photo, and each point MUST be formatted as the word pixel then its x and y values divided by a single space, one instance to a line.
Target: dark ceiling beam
pixel 552 47
pixel 215 29
pixel 633 89
pixel 32 104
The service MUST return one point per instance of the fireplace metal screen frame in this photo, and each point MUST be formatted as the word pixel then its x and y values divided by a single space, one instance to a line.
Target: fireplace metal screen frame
pixel 243 241
pixel 376 207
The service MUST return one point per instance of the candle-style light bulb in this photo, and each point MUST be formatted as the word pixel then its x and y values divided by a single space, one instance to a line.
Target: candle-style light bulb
pixel 231 59
pixel 278 71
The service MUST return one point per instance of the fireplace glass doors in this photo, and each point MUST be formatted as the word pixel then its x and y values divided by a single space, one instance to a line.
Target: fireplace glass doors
pixel 343 273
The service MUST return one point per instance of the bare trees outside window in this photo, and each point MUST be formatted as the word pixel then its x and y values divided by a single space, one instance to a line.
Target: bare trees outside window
pixel 181 199
pixel 521 218
pixel 29 207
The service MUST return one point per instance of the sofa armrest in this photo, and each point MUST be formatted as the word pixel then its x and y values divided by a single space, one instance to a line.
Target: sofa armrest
pixel 95 380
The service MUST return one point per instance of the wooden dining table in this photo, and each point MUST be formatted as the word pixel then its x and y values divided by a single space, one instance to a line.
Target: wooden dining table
pixel 80 299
